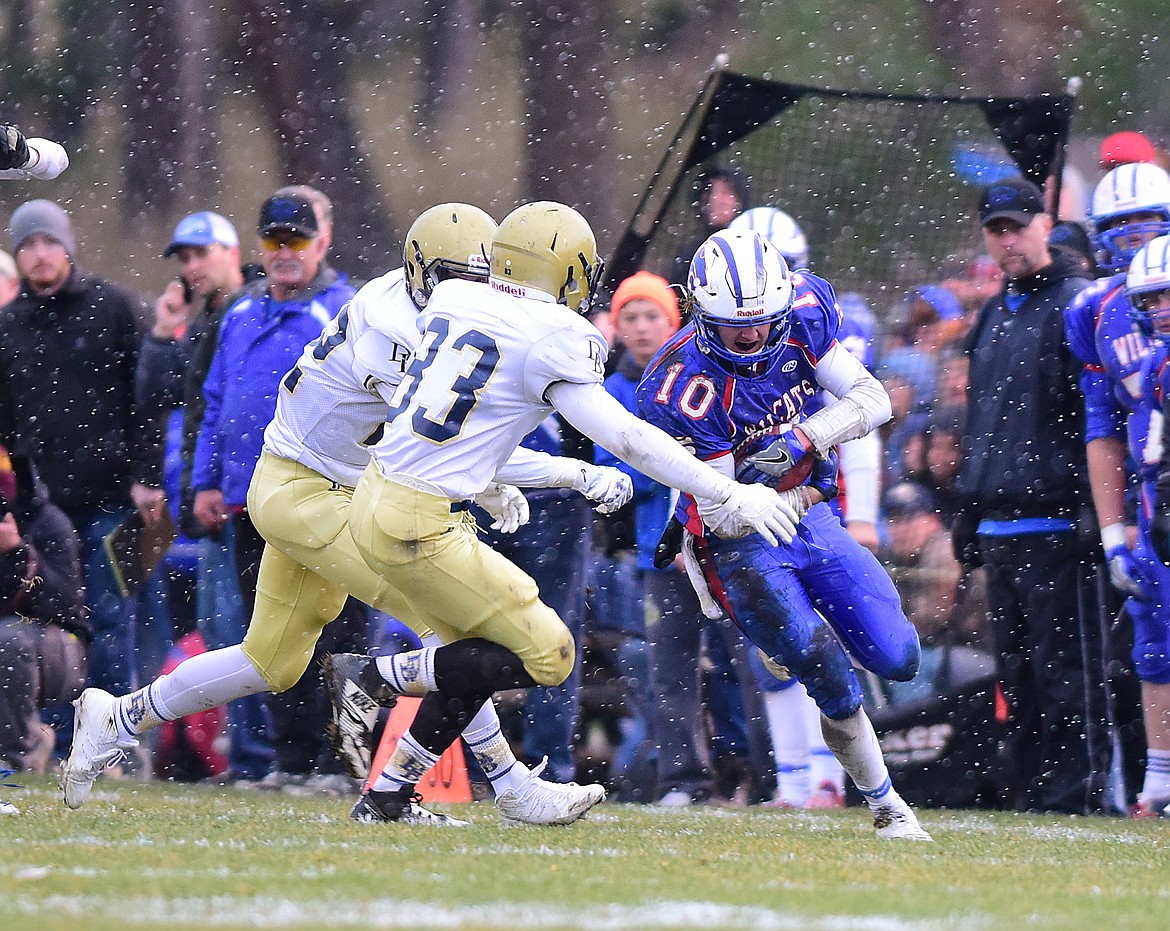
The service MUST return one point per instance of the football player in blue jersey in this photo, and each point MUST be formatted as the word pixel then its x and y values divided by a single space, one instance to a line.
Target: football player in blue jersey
pixel 1130 207
pixel 742 387
pixel 1147 287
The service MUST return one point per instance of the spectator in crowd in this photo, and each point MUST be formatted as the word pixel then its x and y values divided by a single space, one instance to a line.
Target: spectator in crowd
pixel 921 562
pixel 44 633
pixel 931 318
pixel 1073 238
pixel 903 429
pixel 24 159
pixel 723 194
pixel 1131 207
pixel 176 356
pixel 818 600
pixel 645 314
pixel 67 402
pixel 9 278
pixel 262 335
pixel 976 283
pixel 941 460
pixel 1023 488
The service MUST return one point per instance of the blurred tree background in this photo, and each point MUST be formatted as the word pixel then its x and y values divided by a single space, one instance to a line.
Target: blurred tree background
pixel 170 106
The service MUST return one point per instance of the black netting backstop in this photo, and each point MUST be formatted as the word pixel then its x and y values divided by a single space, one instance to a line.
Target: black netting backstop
pixel 884 185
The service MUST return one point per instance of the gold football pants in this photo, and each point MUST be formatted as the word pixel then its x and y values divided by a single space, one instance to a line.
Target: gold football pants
pixel 427 549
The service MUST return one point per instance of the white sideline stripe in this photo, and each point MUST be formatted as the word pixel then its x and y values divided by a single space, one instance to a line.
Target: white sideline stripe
pixel 265 912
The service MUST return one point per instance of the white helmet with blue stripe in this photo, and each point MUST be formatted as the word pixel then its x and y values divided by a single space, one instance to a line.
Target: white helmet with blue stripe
pixel 739 279
pixel 1148 276
pixel 1125 191
pixel 779 229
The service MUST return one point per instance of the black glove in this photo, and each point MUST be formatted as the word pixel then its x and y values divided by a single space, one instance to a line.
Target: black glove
pixel 13 148
pixel 1160 532
pixel 188 522
pixel 669 544
pixel 965 539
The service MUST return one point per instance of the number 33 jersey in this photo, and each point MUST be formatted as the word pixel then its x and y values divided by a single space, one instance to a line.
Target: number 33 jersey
pixel 331 405
pixel 476 384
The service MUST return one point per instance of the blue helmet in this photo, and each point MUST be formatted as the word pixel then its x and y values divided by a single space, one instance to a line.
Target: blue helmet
pixel 1125 191
pixel 739 279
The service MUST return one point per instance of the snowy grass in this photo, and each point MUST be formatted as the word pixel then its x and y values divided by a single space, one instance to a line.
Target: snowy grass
pixel 170 856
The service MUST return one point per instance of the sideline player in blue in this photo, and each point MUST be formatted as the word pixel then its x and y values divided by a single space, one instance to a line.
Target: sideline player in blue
pixel 742 387
pixel 1130 207
pixel 1148 289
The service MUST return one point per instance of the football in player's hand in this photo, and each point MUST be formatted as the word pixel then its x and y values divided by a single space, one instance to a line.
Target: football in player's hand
pixel 767 457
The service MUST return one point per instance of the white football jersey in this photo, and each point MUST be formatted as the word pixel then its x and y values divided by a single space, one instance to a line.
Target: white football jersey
pixel 332 404
pixel 475 386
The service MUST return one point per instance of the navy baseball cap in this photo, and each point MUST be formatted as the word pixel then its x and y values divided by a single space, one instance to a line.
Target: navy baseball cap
pixel 907 499
pixel 1015 199
pixel 289 213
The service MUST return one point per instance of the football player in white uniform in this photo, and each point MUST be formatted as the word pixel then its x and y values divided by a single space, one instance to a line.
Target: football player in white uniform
pixel 494 361
pixel 330 408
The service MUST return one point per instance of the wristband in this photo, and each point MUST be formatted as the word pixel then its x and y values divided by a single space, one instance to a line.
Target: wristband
pixel 1113 536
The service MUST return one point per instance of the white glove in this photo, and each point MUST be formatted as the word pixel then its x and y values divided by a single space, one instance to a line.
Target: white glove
pixel 507 506
pixel 51 159
pixel 751 509
pixel 610 488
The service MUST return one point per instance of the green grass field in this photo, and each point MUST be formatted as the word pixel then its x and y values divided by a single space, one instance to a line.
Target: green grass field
pixel 164 855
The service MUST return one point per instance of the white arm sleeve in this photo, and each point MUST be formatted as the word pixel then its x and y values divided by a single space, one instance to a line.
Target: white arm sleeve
pixel 862 402
pixel 601 417
pixel 529 468
pixel 47 159
pixel 861 467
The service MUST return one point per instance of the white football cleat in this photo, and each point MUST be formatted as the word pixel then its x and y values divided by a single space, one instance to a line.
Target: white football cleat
pixel 540 802
pixel 898 822
pixel 7 809
pixel 96 745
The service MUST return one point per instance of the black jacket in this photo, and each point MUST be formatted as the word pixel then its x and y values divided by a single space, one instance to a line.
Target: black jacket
pixel 67 391
pixel 1024 446
pixel 41 578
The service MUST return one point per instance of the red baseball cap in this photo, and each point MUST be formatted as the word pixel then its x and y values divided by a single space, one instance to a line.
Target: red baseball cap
pixel 1125 148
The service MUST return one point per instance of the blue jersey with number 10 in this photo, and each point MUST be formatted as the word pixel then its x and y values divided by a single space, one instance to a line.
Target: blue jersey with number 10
pixel 714 412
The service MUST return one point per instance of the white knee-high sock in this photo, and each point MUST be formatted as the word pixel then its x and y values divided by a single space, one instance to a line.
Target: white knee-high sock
pixel 201 682
pixel 823 766
pixel 786 723
pixel 492 750
pixel 1157 782
pixel 854 743
pixel 410 673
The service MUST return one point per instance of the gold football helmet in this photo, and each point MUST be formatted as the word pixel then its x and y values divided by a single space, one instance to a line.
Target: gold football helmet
pixel 447 239
pixel 549 247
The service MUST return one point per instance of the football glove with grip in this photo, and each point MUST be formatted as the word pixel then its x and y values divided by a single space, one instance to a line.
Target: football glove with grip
pixel 507 506
pixel 13 148
pixel 610 488
pixel 1123 571
pixel 751 509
